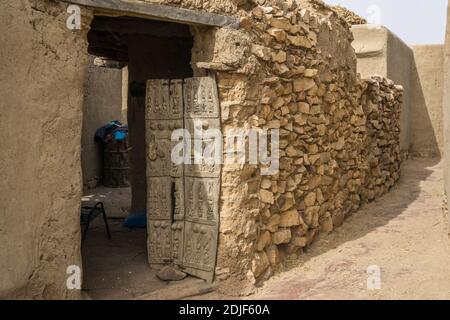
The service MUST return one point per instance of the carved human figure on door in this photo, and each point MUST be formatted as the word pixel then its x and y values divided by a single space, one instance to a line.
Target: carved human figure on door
pixel 210 208
pixel 153 149
pixel 201 199
pixel 206 242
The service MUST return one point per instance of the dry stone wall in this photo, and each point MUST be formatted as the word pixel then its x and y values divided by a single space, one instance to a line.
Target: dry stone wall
pixel 291 67
pixel 351 17
pixel 381 102
pixel 214 6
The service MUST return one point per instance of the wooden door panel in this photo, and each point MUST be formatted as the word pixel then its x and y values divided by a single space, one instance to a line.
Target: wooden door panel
pixel 159 242
pixel 200 249
pixel 202 182
pixel 183 201
pixel 201 98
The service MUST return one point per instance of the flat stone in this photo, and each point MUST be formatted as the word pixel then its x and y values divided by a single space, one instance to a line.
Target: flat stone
pixel 310 199
pixel 281 23
pixel 290 219
pixel 273 223
pixel 300 242
pixel 168 273
pixel 261 52
pixel 291 151
pixel 300 41
pixel 273 255
pixel 312 216
pixel 279 57
pixel 282 236
pixel 260 263
pixel 310 73
pixel 264 240
pixel 266 184
pixel 340 144
pixel 326 225
pixel 303 84
pixel 266 196
pixel 303 107
pixel 278 34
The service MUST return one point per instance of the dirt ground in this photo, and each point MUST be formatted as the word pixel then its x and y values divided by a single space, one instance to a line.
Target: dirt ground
pixel 404 233
pixel 117 201
pixel 117 269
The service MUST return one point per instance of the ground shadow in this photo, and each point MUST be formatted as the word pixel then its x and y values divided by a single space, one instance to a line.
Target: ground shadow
pixel 376 214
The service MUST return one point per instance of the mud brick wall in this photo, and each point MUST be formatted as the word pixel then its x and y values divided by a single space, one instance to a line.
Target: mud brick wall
pixel 43 67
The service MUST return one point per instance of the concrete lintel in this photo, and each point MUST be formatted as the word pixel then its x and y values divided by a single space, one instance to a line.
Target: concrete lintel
pixel 160 12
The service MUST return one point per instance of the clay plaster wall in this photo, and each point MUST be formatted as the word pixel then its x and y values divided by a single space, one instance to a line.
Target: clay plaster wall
pixel 418 70
pixel 427 113
pixel 41 85
pixel 446 106
pixel 380 52
pixel 102 103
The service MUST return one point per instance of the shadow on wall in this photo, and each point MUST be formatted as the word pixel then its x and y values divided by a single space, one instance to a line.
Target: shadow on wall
pixel 423 140
pixel 103 103
pixel 420 71
pixel 426 118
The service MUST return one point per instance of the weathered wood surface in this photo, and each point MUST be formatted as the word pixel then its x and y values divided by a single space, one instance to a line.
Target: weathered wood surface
pixel 181 291
pixel 183 200
pixel 160 12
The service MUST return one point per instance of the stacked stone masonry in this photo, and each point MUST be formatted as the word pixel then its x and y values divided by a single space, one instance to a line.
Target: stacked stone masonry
pixel 349 16
pixel 292 68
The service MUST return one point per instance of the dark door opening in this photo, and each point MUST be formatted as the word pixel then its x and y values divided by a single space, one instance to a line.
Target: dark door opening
pixel 118 268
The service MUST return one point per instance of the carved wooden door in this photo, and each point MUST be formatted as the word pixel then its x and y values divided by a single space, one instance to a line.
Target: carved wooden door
pixel 183 213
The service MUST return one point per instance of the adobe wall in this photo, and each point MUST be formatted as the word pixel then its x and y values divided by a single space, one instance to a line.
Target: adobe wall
pixel 102 104
pixel 380 52
pixel 427 114
pixel 41 85
pixel 446 106
pixel 418 70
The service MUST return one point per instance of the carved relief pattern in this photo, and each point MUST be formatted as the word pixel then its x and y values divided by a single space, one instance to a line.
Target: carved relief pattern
pixel 160 242
pixel 158 99
pixel 202 170
pixel 179 207
pixel 183 201
pixel 206 123
pixel 202 182
pixel 165 182
pixel 200 246
pixel 159 202
pixel 201 201
pixel 159 147
pixel 162 129
pixel 201 98
pixel 177 242
pixel 176 99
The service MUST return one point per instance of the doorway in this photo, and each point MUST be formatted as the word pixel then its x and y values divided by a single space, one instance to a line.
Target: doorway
pixel 140 50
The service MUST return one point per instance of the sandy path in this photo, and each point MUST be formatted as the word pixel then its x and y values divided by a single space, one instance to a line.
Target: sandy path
pixel 404 233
